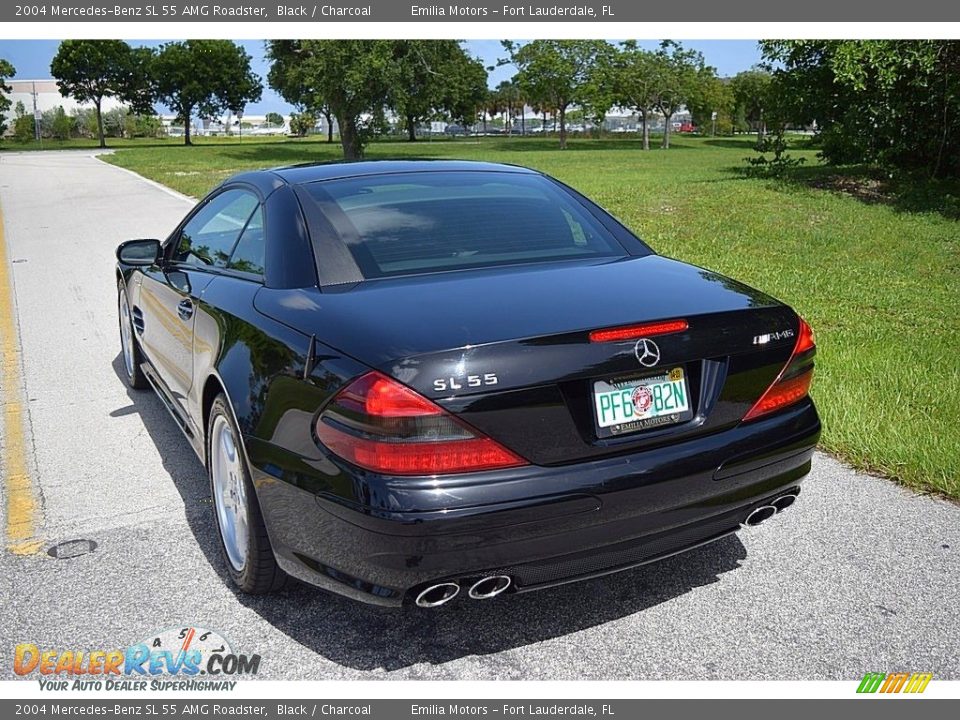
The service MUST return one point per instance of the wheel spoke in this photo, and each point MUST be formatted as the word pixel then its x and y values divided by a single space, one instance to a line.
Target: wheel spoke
pixel 126 335
pixel 229 492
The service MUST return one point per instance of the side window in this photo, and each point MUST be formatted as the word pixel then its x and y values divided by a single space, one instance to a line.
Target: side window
pixel 248 255
pixel 208 238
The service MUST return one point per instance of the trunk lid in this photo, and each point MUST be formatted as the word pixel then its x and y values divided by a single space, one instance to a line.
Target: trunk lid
pixel 508 349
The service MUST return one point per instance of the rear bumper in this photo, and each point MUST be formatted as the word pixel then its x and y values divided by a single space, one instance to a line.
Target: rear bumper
pixel 379 539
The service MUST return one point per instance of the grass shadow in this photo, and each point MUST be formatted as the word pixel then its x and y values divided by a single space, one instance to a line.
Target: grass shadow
pixel 868 185
pixel 743 142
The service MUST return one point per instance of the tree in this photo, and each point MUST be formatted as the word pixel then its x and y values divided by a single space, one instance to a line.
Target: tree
pixel 890 103
pixel 56 123
pixel 711 100
pixel 24 128
pixel 302 123
pixel 6 71
pixel 140 124
pixel 354 78
pixel 556 72
pixel 206 77
pixel 513 102
pixel 434 78
pixel 492 106
pixel 465 89
pixel 634 83
pixel 91 70
pixel 752 93
pixel 273 118
pixel 509 97
pixel 599 91
pixel 677 71
pixel 287 78
pixel 85 121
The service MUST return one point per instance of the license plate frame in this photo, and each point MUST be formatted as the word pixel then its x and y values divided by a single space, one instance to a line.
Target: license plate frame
pixel 654 418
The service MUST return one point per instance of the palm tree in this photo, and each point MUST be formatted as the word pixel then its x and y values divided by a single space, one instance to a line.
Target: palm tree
pixel 492 107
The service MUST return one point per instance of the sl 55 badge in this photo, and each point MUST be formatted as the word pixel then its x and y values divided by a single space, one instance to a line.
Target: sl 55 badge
pixel 464 381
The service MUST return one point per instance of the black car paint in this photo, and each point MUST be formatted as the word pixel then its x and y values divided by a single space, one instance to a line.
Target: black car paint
pixel 378 538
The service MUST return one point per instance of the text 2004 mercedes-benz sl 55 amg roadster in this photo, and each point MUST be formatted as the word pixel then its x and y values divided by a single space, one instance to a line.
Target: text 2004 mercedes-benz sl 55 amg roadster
pixel 416 380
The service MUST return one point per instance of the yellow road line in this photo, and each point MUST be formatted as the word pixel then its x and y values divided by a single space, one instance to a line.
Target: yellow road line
pixel 23 507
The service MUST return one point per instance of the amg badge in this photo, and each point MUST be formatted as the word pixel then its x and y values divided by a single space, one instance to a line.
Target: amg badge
pixel 772 337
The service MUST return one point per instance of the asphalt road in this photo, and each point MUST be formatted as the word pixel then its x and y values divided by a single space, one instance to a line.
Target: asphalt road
pixel 860 575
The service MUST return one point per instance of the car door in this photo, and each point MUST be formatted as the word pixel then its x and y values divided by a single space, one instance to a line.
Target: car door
pixel 170 293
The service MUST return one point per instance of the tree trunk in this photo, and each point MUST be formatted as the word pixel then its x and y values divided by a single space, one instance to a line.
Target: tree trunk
pixel 186 126
pixel 103 142
pixel 666 131
pixel 350 139
pixel 646 129
pixel 484 122
pixel 523 120
pixel 329 119
pixel 411 128
pixel 562 112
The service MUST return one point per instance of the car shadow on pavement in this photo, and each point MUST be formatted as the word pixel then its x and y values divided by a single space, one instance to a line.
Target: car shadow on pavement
pixel 371 638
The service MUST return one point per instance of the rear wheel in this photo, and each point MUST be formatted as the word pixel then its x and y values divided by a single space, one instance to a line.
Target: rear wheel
pixel 243 535
pixel 129 349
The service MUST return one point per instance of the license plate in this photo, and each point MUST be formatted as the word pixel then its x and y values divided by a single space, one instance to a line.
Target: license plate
pixel 629 405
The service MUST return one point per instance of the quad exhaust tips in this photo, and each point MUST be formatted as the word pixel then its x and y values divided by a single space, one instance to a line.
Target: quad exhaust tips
pixel 765 512
pixel 483 589
pixel 489 587
pixel 437 595
pixel 784 501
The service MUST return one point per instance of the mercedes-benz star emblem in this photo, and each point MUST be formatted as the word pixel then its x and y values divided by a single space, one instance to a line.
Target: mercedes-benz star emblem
pixel 647 352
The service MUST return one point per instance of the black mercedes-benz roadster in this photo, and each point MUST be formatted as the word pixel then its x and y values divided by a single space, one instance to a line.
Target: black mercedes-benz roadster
pixel 410 381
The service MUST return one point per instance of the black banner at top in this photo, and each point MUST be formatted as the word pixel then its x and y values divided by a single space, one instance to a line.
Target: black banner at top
pixel 576 11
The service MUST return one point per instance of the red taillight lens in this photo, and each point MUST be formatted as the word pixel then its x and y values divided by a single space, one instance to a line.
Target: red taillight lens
pixel 805 339
pixel 793 382
pixel 633 332
pixel 381 425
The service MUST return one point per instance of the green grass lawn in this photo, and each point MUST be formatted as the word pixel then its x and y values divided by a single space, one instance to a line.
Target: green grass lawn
pixel 878 283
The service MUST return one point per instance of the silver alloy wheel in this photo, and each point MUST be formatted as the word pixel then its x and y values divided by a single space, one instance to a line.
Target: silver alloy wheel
pixel 229 492
pixel 126 334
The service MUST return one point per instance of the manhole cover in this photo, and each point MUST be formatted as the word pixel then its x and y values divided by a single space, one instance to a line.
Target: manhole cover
pixel 71 549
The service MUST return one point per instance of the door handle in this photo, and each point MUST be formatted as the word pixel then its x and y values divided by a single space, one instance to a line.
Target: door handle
pixel 185 309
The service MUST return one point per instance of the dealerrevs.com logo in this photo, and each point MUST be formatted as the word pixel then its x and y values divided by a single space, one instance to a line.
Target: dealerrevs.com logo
pixel 188 658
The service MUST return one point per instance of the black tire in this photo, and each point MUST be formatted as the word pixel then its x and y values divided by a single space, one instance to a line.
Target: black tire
pixel 134 376
pixel 259 573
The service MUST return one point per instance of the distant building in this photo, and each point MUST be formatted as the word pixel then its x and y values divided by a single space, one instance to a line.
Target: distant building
pixel 47 96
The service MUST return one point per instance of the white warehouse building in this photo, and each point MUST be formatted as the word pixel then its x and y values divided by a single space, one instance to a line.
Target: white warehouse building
pixel 48 97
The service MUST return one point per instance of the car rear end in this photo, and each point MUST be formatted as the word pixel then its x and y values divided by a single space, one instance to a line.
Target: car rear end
pixel 508 428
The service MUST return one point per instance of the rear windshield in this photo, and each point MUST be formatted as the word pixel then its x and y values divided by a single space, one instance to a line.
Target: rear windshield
pixel 435 221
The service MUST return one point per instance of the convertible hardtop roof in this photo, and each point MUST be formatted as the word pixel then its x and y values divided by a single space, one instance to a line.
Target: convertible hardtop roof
pixel 313 172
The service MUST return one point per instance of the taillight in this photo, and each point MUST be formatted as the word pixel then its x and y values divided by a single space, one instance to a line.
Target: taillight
pixel 633 332
pixel 381 425
pixel 793 382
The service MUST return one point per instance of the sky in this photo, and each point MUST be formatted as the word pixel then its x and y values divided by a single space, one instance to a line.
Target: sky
pixel 31 58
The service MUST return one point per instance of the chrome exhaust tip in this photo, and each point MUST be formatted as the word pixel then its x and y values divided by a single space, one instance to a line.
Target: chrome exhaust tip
pixel 764 512
pixel 489 587
pixel 784 501
pixel 437 595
